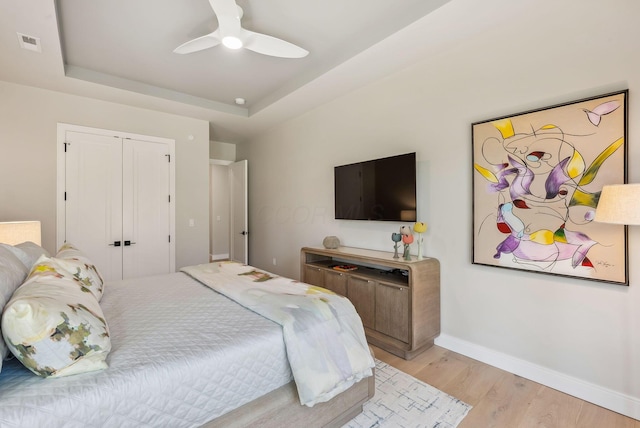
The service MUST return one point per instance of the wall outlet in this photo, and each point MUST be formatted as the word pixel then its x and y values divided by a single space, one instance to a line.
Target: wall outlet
pixel 192 222
pixel 274 261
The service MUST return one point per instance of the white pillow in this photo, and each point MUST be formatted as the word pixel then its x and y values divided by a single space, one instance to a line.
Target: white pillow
pixel 12 274
pixel 55 329
pixel 33 251
pixel 20 254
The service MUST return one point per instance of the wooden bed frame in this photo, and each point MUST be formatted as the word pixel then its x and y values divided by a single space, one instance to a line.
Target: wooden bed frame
pixel 281 408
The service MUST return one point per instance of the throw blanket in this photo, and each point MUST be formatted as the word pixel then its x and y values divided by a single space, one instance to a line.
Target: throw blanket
pixel 323 334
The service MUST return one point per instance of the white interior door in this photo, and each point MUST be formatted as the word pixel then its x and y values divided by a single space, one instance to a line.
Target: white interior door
pixel 93 193
pixel 239 227
pixel 146 209
pixel 117 205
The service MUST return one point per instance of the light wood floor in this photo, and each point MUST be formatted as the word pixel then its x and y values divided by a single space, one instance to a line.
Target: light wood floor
pixel 500 398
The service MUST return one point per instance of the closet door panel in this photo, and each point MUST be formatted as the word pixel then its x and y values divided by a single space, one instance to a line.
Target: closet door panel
pixel 93 205
pixel 146 215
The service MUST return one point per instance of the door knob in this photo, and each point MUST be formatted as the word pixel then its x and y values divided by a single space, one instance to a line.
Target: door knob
pixel 115 244
pixel 244 232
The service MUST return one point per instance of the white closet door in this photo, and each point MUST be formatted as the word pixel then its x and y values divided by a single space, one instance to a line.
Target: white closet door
pixel 146 208
pixel 93 206
pixel 117 207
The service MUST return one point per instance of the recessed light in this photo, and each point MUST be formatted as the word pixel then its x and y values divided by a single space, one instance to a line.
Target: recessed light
pixel 240 101
pixel 29 42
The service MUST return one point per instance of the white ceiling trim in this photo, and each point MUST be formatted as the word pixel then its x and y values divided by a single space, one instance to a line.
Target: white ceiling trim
pixel 154 91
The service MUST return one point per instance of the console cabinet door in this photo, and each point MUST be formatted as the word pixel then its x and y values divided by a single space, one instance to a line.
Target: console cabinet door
pixel 362 293
pixel 392 310
pixel 336 282
pixel 313 275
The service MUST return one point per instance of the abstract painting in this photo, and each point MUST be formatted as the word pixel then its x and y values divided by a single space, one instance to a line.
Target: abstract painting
pixel 537 178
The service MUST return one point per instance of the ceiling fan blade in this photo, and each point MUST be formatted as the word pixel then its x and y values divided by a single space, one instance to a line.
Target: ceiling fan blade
pixel 204 42
pixel 268 45
pixel 228 14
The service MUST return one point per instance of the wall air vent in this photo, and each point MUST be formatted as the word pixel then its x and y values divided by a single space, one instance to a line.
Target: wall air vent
pixel 29 42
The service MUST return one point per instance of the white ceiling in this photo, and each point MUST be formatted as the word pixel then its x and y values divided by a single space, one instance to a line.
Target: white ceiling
pixel 121 51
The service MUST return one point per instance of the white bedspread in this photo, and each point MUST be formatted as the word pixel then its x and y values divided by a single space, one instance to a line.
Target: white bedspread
pixel 182 355
pixel 323 333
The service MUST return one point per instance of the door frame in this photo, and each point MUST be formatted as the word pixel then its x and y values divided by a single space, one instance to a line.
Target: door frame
pixel 62 130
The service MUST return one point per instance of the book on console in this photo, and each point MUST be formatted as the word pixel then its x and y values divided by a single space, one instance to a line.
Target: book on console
pixel 345 268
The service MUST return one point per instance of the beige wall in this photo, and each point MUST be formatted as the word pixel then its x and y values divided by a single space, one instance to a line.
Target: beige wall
pixel 580 336
pixel 28 125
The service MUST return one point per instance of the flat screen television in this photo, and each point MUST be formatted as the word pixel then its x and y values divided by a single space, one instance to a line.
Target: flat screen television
pixel 380 189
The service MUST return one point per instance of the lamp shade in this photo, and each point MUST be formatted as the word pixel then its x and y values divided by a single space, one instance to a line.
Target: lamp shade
pixel 16 232
pixel 619 204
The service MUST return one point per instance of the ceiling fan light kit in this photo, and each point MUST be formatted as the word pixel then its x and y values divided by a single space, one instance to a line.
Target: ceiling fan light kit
pixel 232 42
pixel 231 34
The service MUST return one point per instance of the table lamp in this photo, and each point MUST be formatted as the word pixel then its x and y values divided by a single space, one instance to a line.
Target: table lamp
pixel 619 204
pixel 16 232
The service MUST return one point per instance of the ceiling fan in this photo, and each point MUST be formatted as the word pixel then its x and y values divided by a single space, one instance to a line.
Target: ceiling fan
pixel 231 34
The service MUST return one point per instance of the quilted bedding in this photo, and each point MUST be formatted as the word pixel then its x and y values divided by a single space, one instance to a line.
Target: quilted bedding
pixel 323 334
pixel 181 355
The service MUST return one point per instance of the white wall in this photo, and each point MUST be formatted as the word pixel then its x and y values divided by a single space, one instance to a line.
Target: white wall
pixel 28 123
pixel 222 151
pixel 220 207
pixel 222 154
pixel 579 336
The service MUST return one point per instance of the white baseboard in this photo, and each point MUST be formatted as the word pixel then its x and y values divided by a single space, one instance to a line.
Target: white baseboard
pixel 601 396
pixel 219 256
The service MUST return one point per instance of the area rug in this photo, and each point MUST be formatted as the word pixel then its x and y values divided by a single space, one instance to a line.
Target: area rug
pixel 404 401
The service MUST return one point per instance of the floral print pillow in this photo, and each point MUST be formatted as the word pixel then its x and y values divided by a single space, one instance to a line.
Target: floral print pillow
pixel 73 260
pixel 72 265
pixel 54 328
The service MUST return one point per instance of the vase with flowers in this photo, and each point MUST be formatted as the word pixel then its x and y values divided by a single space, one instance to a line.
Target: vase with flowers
pixel 396 237
pixel 420 228
pixel 407 240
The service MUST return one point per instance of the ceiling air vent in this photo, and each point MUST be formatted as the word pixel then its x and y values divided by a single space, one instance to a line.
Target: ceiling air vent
pixel 29 42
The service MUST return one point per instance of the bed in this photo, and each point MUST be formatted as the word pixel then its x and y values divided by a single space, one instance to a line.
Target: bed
pixel 182 355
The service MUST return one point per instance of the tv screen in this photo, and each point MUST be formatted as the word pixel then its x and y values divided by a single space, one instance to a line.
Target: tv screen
pixel 380 189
